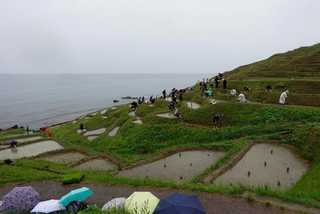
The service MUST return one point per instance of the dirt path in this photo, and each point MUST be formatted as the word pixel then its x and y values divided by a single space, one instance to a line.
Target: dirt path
pixel 213 203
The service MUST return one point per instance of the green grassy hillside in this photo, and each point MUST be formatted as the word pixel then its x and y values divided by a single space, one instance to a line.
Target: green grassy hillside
pixel 301 63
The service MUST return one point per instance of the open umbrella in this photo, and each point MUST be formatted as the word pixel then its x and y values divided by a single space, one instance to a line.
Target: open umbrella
pixel 80 194
pixel 141 203
pixel 179 204
pixel 48 207
pixel 20 199
pixel 117 203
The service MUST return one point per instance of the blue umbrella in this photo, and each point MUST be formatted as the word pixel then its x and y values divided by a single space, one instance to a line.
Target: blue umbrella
pixel 80 194
pixel 179 204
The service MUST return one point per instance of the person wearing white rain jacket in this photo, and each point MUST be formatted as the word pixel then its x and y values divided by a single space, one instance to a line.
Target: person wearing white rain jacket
pixel 233 92
pixel 283 97
pixel 242 98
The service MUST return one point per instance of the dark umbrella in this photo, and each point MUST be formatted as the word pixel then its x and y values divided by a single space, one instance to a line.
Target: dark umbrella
pixel 179 204
pixel 20 199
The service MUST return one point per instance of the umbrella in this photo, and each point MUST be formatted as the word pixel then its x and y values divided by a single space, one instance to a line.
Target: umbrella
pixel 20 199
pixel 117 203
pixel 80 194
pixel 141 202
pixel 48 207
pixel 180 204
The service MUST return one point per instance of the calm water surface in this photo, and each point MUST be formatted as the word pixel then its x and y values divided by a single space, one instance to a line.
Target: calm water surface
pixel 38 100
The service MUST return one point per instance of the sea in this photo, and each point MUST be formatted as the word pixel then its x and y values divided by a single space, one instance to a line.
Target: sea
pixel 38 100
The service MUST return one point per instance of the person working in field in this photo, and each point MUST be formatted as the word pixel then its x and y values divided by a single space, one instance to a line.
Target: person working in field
pixel 283 97
pixel 242 98
pixel 224 84
pixel 233 92
pixel 164 94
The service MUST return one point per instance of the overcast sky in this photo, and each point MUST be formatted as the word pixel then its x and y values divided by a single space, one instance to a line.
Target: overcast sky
pixel 150 36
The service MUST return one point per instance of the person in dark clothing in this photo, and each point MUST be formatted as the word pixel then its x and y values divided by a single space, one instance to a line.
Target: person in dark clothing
pixel 142 100
pixel 174 99
pixel 217 120
pixel 76 206
pixel 13 144
pixel 172 106
pixel 180 96
pixel 28 130
pixel 81 126
pixel 224 83
pixel 268 88
pixel 134 106
pixel 177 113
pixel 152 100
pixel 216 81
pixel 164 94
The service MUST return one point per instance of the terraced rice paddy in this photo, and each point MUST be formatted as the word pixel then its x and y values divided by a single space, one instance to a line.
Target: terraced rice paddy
pixel 65 158
pixel 138 121
pixel 180 166
pixel 132 114
pixel 193 105
pixel 95 132
pixel 167 116
pixel 97 164
pixel 265 165
pixel 30 150
pixel 114 132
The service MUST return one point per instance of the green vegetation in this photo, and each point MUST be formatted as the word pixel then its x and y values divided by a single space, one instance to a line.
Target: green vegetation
pixel 296 124
pixel 96 210
pixel 300 63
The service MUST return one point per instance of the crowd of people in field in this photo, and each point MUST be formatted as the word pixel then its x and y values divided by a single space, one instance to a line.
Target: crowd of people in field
pixel 208 87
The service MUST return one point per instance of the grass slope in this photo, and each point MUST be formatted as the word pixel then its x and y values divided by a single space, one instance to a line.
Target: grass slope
pixel 300 63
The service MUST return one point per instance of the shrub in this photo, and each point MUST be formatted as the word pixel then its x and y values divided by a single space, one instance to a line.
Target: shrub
pixel 72 178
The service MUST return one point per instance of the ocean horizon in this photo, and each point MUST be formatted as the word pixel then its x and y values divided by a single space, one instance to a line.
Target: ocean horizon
pixel 37 100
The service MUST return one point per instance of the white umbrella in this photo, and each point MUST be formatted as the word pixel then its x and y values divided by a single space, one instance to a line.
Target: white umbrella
pixel 114 203
pixel 48 207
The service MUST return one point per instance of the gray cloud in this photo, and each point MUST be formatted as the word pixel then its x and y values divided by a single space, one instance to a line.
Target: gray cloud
pixel 149 36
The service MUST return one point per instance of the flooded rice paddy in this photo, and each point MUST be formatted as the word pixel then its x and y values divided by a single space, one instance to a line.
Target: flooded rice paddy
pixel 95 132
pixel 180 166
pixel 265 165
pixel 193 105
pixel 30 150
pixel 97 164
pixel 114 132
pixel 167 115
pixel 65 158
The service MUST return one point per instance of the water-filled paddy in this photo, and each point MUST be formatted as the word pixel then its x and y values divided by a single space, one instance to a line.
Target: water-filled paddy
pixel 167 115
pixel 180 166
pixel 30 150
pixel 114 132
pixel 193 105
pixel 97 164
pixel 95 132
pixel 266 165
pixel 65 158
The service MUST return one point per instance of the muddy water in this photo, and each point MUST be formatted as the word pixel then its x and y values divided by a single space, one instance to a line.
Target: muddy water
pixel 266 165
pixel 29 139
pixel 180 166
pixel 97 164
pixel 65 158
pixel 167 115
pixel 193 105
pixel 30 150
pixel 95 132
pixel 114 132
